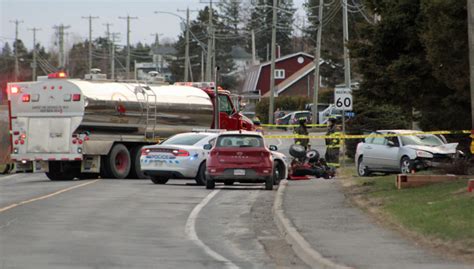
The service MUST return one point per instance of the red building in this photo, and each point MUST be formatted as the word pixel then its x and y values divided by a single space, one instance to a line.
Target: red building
pixel 294 75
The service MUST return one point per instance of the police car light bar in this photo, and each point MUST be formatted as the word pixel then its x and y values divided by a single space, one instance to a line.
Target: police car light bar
pixel 60 74
pixel 199 130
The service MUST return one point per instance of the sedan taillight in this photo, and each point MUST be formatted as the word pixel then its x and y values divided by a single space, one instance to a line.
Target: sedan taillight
pixel 180 153
pixel 145 152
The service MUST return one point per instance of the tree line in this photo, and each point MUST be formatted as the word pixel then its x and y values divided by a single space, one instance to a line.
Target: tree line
pixel 414 65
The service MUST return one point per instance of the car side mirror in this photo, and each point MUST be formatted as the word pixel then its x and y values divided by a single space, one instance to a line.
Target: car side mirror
pixel 273 148
pixel 207 147
pixel 390 143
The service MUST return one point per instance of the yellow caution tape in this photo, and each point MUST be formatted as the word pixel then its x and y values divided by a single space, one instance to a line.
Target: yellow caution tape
pixel 366 136
pixel 472 142
pixel 292 125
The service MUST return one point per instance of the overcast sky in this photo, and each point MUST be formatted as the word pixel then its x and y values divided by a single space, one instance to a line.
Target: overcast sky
pixel 45 14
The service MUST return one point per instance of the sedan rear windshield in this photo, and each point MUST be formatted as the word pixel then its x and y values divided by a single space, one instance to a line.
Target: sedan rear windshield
pixel 239 141
pixel 185 140
pixel 302 114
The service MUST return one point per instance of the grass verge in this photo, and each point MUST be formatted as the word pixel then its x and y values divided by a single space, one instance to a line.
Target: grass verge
pixel 441 215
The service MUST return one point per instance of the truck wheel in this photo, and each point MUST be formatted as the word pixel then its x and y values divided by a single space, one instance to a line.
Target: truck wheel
pixel 6 169
pixel 269 182
pixel 135 168
pixel 59 176
pixel 58 173
pixel 201 175
pixel 118 161
pixel 210 183
pixel 159 180
pixel 88 176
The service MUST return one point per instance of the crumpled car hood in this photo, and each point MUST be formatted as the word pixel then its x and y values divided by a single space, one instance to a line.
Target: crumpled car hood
pixel 443 149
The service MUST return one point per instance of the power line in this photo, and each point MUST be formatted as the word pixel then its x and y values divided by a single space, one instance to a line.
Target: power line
pixel 90 18
pixel 34 64
pixel 17 68
pixel 60 32
pixel 128 18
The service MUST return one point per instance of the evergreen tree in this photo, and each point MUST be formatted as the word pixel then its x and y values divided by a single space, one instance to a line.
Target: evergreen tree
pixel 230 10
pixel 261 22
pixel 443 32
pixel 332 47
pixel 198 41
pixel 6 50
pixel 416 58
pixel 78 60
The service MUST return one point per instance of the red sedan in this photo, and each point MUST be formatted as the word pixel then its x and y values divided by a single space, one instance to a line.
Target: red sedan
pixel 240 157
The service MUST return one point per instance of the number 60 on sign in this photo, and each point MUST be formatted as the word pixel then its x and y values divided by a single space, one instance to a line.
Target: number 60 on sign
pixel 343 98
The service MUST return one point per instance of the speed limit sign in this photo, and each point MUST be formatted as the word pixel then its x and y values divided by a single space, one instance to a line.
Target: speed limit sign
pixel 343 98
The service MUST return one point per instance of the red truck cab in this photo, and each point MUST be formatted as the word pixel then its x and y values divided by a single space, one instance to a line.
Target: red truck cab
pixel 229 117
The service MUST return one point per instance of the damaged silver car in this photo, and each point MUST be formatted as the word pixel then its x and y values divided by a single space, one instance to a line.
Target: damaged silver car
pixel 405 151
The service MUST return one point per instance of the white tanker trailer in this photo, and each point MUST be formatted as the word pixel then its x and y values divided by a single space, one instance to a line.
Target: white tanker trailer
pixel 71 128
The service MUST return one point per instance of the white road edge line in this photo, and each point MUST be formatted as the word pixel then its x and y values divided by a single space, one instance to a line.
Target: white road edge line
pixel 190 230
pixel 8 177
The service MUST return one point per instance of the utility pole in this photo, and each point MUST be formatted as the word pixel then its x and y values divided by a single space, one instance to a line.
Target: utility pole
pixel 90 18
pixel 470 15
pixel 60 32
pixel 317 57
pixel 216 100
pixel 156 45
pixel 128 18
pixel 272 67
pixel 347 61
pixel 202 65
pixel 210 49
pixel 186 51
pixel 347 71
pixel 107 34
pixel 34 65
pixel 114 37
pixel 213 55
pixel 17 67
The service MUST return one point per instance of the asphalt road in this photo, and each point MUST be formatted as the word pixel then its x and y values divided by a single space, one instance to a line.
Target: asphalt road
pixel 136 224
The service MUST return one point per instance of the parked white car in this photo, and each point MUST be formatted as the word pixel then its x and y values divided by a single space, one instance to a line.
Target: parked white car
pixel 282 165
pixel 403 153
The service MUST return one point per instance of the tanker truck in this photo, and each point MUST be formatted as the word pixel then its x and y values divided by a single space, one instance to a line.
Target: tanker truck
pixel 73 128
pixel 5 144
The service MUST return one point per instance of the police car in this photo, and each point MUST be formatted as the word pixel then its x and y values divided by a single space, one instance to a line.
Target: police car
pixel 180 157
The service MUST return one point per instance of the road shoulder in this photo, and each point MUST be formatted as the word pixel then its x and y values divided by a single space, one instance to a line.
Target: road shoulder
pixel 359 195
pixel 344 234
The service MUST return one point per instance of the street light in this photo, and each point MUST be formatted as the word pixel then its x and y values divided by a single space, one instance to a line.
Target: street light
pixel 188 31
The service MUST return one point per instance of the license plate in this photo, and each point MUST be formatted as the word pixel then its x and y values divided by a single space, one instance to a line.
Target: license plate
pixel 158 162
pixel 239 172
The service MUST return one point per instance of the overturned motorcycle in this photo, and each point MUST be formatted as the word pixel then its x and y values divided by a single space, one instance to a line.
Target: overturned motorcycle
pixel 307 164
